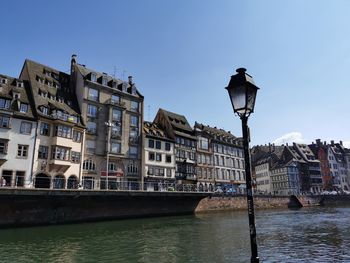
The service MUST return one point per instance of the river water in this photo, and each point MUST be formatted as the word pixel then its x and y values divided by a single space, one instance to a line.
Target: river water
pixel 307 235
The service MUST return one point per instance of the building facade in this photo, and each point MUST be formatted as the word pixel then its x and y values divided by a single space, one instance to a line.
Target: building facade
pixel 59 134
pixel 17 133
pixel 178 129
pixel 159 158
pixel 112 110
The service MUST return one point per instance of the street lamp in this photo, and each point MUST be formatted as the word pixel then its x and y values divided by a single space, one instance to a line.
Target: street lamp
pixel 242 92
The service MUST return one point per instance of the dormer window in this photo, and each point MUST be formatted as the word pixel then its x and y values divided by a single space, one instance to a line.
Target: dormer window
pixel 40 80
pixel 56 85
pixel 16 95
pixel 133 90
pixel 115 85
pixel 124 87
pixel 48 83
pixel 93 77
pixel 19 84
pixel 104 81
pixel 24 108
pixel 3 80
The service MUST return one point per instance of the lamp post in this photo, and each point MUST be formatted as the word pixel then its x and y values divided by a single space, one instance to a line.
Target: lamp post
pixel 242 92
pixel 109 127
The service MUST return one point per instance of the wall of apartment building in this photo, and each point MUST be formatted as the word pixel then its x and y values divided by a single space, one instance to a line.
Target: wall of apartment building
pixel 263 178
pixel 14 164
pixel 169 167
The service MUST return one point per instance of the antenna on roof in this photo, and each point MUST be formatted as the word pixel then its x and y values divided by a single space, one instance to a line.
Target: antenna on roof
pixel 114 71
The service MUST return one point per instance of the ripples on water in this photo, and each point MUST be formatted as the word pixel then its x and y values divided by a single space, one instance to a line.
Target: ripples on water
pixel 306 235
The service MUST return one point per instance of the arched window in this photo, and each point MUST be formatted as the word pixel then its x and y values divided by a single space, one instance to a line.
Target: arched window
pixel 112 166
pixel 89 165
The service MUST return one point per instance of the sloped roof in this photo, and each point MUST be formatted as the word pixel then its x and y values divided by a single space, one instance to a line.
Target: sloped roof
pixel 215 132
pixel 59 93
pixel 305 152
pixel 9 89
pixel 177 121
pixel 152 129
pixel 86 72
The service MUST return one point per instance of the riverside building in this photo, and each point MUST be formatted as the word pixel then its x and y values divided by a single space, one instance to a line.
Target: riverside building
pixel 205 165
pixel 159 158
pixel 17 133
pixel 178 129
pixel 58 137
pixel 112 110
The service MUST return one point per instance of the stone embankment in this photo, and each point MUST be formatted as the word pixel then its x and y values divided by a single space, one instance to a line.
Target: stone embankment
pixel 239 202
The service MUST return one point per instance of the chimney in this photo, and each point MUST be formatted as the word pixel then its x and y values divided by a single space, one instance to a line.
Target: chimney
pixel 341 143
pixel 269 147
pixel 318 141
pixel 332 142
pixel 324 143
pixel 73 62
pixel 130 80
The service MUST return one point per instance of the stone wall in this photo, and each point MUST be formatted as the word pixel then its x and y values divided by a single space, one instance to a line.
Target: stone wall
pixel 239 202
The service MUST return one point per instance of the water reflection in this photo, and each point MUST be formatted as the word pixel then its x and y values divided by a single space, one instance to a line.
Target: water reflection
pixel 316 234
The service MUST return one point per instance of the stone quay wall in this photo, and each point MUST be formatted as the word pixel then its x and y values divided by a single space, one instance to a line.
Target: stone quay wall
pixel 239 202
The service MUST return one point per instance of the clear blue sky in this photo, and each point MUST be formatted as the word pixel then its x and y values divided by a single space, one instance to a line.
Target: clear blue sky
pixel 182 54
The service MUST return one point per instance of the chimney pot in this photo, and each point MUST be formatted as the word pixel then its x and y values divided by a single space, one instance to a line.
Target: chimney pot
pixel 341 143
pixel 130 80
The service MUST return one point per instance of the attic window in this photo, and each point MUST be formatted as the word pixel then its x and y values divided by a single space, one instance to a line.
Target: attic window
pixel 44 110
pixel 69 102
pixel 47 73
pixel 56 85
pixel 3 81
pixel 24 108
pixel 16 95
pixel 48 83
pixel 19 84
pixel 93 77
pixel 40 80
pixel 133 90
pixel 104 81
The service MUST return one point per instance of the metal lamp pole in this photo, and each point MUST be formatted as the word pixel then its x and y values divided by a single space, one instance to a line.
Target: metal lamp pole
pixel 242 91
pixel 250 200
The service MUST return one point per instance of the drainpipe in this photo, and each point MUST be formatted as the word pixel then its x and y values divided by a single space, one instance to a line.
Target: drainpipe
pixel 81 158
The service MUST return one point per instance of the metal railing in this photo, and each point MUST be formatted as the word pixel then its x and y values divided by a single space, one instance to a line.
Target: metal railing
pixel 114 184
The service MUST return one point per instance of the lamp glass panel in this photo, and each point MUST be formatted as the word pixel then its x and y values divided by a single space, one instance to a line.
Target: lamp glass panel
pixel 251 95
pixel 238 98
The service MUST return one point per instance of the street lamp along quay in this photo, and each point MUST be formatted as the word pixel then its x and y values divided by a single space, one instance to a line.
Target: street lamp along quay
pixel 242 92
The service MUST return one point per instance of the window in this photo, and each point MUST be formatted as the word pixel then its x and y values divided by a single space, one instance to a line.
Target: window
pixel 133 135
pixel 4 122
pixel 91 111
pixel 93 94
pixel 132 168
pixel 76 136
pixel 167 146
pixel 90 146
pixel 133 151
pixel 60 153
pixel 3 81
pixel 44 110
pixel 91 127
pixel 26 127
pixel 22 150
pixel 45 129
pixel 63 131
pixel 116 130
pixel 3 147
pixel 151 156
pixel 93 77
pixel 158 157
pixel 151 143
pixel 104 81
pixel 112 166
pixel 168 172
pixel 168 158
pixel 4 104
pixel 89 165
pixel 115 99
pixel 203 143
pixel 115 147
pixel 43 152
pixel 116 115
pixel 23 108
pixel 134 121
pixel 158 145
pixel 134 106
pixel 75 157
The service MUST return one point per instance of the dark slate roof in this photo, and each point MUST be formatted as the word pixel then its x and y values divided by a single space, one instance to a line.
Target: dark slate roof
pixel 177 121
pixel 8 91
pixel 153 130
pixel 305 152
pixel 54 83
pixel 86 73
pixel 217 133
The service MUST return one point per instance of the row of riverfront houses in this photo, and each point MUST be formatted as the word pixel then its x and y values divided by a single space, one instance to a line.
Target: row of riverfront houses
pixel 60 130
pixel 301 168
